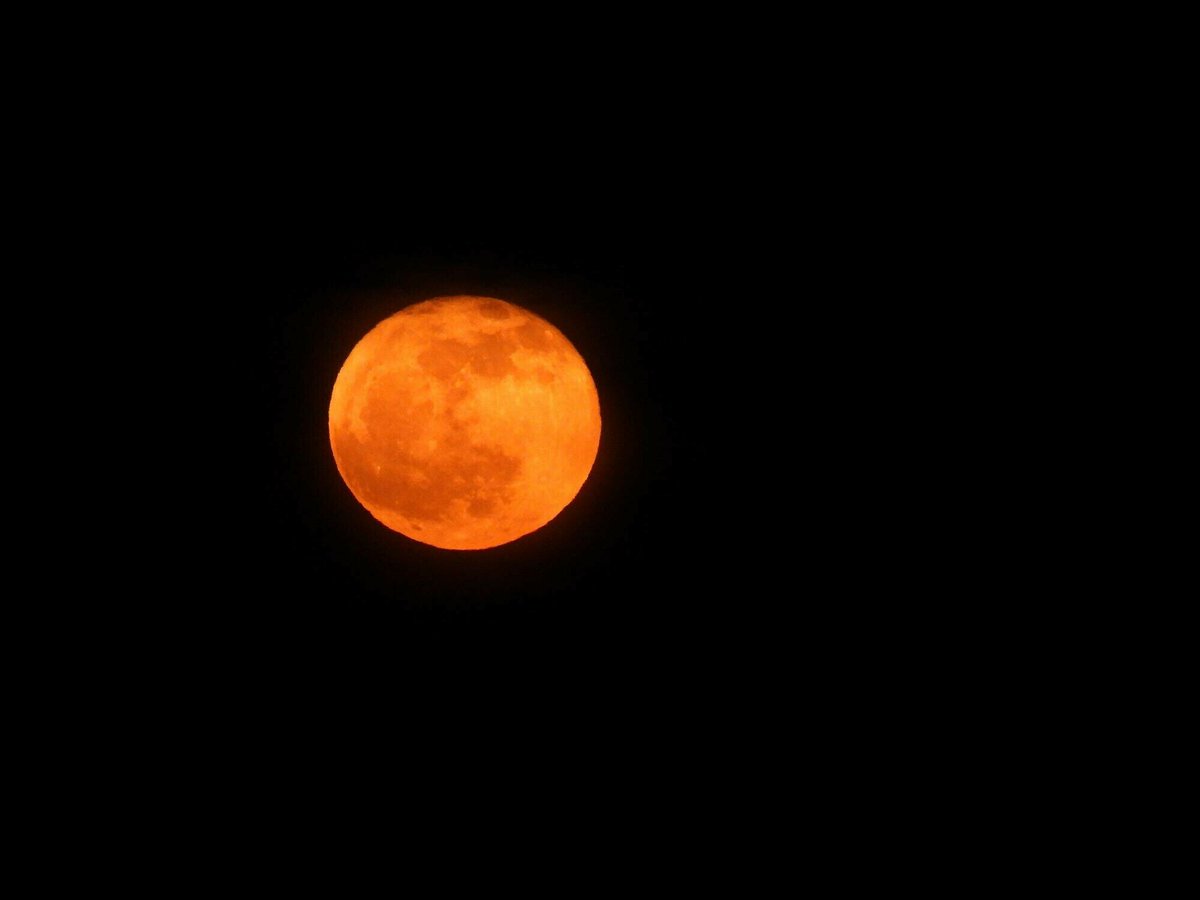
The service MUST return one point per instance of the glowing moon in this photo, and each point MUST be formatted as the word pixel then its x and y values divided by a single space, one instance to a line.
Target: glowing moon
pixel 464 422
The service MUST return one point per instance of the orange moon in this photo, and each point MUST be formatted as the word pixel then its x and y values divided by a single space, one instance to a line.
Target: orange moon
pixel 464 422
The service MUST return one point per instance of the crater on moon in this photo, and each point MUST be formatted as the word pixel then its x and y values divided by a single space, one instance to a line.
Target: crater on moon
pixel 464 422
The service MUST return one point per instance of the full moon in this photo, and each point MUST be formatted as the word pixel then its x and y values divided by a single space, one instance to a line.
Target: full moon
pixel 464 422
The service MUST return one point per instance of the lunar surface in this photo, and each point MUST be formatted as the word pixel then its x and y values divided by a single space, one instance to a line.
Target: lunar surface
pixel 464 422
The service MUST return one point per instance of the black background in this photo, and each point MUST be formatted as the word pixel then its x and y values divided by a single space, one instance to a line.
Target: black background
pixel 723 285
pixel 745 266
pixel 680 557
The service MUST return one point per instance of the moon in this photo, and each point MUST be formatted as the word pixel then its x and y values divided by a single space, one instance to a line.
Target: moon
pixel 464 422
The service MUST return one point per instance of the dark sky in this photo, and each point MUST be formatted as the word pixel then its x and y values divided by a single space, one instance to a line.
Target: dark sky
pixel 705 310
pixel 630 574
pixel 742 265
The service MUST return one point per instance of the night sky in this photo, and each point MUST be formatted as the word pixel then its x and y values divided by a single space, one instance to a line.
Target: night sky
pixel 653 559
pixel 705 532
pixel 743 265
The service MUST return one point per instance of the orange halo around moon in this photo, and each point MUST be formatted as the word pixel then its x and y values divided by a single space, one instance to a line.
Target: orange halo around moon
pixel 464 422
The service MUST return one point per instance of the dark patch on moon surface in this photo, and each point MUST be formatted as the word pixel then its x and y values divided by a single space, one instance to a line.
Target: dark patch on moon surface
pixel 494 309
